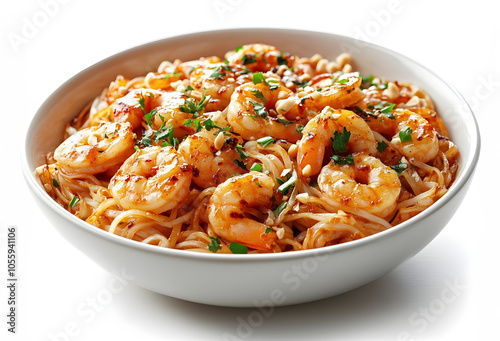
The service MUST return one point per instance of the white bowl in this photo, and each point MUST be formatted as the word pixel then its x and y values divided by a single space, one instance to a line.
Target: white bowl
pixel 259 279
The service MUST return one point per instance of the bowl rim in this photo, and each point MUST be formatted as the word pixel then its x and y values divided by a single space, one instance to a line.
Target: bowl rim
pixel 467 166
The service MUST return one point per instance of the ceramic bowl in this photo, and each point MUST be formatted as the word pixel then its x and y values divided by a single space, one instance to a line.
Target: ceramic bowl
pixel 258 279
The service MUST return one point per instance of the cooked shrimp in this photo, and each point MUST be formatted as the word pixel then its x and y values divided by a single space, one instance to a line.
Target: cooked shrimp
pixel 174 111
pixel 214 161
pixel 337 93
pixel 402 94
pixel 265 109
pixel 411 134
pixel 368 184
pixel 218 82
pixel 229 205
pixel 167 108
pixel 96 149
pixel 153 179
pixel 433 118
pixel 132 107
pixel 260 57
pixel 318 132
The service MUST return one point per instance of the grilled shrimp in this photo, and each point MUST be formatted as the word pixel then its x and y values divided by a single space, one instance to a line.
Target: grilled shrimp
pixel 265 109
pixel 411 134
pixel 174 111
pixel 152 179
pixel 132 107
pixel 368 184
pixel 217 81
pixel 337 93
pixel 165 108
pixel 96 149
pixel 318 133
pixel 213 156
pixel 260 57
pixel 228 210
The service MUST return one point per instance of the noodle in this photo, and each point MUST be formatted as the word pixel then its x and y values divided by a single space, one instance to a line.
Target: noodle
pixel 159 157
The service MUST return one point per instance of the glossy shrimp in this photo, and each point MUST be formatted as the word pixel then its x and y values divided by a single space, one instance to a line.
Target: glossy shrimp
pixel 133 106
pixel 213 155
pixel 162 108
pixel 229 206
pixel 96 149
pixel 411 134
pixel 217 81
pixel 267 108
pixel 318 133
pixel 367 184
pixel 335 92
pixel 154 179
pixel 260 57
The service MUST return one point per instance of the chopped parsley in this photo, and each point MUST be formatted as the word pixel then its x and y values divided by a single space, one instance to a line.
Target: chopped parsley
pixel 167 135
pixel 343 160
pixel 238 248
pixel 218 73
pixel 259 108
pixel 55 183
pixel 268 230
pixel 405 135
pixel 258 77
pixel 367 81
pixel 249 59
pixel 342 81
pixel 284 122
pixel 196 123
pixel 282 60
pixel 191 107
pixel 258 94
pixel 400 167
pixel 340 140
pixel 381 146
pixel 209 125
pixel 147 116
pixel 214 244
pixel 174 74
pixel 240 164
pixel 301 84
pixel 243 155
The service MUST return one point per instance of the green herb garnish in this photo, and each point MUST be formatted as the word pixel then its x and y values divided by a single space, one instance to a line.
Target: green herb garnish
pixel 405 135
pixel 238 248
pixel 400 167
pixel 265 141
pixel 214 244
pixel 381 146
pixel 343 160
pixel 340 140
pixel 256 167
pixel 280 208
pixel 75 200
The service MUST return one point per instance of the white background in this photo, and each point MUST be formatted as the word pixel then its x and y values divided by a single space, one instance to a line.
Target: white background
pixel 449 291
